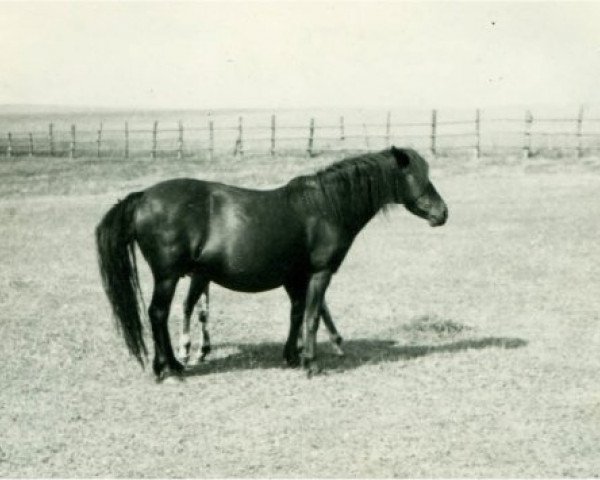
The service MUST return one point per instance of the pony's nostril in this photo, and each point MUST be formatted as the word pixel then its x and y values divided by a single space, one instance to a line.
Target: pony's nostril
pixel 439 219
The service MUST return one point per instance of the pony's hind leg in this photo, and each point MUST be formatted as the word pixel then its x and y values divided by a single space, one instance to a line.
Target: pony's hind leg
pixel 164 362
pixel 204 345
pixel 334 336
pixel 197 287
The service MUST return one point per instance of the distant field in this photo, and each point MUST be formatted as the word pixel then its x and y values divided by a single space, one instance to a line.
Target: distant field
pixel 472 349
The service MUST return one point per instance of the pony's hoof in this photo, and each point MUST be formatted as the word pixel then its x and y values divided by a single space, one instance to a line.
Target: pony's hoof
pixel 293 362
pixel 206 349
pixel 173 380
pixel 167 376
pixel 291 358
pixel 198 358
pixel 175 367
pixel 194 358
pixel 313 369
pixel 184 353
pixel 336 342
pixel 337 350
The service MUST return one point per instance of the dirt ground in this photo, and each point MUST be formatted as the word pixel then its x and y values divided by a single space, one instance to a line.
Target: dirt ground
pixel 472 350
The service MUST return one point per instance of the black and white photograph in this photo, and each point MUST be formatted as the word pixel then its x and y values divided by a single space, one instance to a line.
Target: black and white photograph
pixel 300 239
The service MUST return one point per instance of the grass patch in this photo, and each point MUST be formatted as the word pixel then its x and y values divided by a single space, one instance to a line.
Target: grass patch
pixel 436 325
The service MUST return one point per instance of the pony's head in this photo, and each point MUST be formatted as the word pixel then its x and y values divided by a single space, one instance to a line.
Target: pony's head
pixel 416 192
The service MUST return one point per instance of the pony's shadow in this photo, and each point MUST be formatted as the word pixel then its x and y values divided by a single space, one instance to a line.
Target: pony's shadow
pixel 268 355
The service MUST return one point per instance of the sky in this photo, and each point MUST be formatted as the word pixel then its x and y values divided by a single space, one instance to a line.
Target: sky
pixel 299 54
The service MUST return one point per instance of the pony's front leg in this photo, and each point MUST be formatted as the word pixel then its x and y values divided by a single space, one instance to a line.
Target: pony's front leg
pixel 164 358
pixel 184 338
pixel 314 301
pixel 334 337
pixel 297 294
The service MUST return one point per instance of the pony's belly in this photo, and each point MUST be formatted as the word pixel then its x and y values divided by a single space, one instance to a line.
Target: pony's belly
pixel 254 259
pixel 247 281
pixel 249 272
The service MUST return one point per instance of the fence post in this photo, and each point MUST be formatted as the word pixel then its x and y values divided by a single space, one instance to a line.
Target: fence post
pixel 99 141
pixel 30 144
pixel 126 139
pixel 51 137
pixel 579 133
pixel 73 138
pixel 239 145
pixel 478 133
pixel 9 147
pixel 273 135
pixel 528 126
pixel 311 137
pixel 366 136
pixel 211 138
pixel 388 129
pixel 180 142
pixel 433 131
pixel 154 135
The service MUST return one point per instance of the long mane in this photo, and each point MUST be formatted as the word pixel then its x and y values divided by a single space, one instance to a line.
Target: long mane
pixel 352 188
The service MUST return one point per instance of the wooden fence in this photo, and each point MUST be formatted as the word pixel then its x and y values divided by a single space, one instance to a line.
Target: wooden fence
pixel 528 134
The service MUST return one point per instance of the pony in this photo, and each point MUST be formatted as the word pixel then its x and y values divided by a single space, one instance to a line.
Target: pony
pixel 295 236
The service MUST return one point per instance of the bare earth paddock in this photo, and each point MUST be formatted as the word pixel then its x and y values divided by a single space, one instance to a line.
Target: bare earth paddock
pixel 473 350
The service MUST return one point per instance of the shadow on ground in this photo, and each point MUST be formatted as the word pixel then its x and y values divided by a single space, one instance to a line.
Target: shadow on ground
pixel 231 357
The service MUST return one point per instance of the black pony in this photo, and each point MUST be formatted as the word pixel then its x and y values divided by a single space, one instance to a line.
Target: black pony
pixel 295 236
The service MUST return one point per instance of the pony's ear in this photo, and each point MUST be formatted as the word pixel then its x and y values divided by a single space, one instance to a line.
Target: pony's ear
pixel 402 158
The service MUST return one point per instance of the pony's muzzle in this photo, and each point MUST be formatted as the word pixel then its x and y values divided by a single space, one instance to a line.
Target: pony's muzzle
pixel 438 217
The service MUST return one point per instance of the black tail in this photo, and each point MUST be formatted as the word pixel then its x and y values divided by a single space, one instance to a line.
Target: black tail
pixel 116 259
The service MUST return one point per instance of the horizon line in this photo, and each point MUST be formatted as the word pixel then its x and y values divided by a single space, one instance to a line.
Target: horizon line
pixel 149 108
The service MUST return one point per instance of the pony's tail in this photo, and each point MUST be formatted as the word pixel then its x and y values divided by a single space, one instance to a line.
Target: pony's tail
pixel 116 259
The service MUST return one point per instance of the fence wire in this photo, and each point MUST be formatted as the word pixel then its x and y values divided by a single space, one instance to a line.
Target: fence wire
pixel 263 137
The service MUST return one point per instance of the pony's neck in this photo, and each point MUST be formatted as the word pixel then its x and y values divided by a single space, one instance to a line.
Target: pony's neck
pixel 350 192
pixel 355 205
